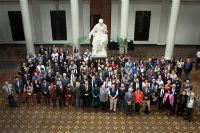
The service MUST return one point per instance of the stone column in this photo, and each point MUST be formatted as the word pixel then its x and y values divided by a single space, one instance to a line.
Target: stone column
pixel 35 4
pixel 124 20
pixel 164 19
pixel 172 29
pixel 27 27
pixel 75 22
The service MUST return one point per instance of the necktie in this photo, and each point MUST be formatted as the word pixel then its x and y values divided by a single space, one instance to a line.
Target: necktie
pixel 8 90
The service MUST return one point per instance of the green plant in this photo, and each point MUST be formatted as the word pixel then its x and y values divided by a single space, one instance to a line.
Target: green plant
pixel 68 45
pixel 122 42
pixel 82 39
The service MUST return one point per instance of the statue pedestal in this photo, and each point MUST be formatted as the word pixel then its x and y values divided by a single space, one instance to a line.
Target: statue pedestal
pixel 98 58
pixel 100 54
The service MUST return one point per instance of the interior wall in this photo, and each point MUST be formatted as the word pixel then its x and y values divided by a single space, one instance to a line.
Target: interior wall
pixel 188 26
pixel 188 31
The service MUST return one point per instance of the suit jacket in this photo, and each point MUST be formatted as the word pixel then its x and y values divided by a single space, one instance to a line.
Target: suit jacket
pixel 99 81
pixel 134 86
pixel 8 90
pixel 19 87
pixel 45 88
pixel 128 98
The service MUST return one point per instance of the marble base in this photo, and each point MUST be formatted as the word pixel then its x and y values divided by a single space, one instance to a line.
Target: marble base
pixel 95 59
pixel 102 54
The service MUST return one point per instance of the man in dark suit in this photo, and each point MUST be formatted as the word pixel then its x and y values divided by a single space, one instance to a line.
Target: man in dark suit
pixel 137 84
pixel 187 69
pixel 86 92
pixel 19 88
pixel 41 50
pixel 100 79
pixel 61 92
pixel 45 91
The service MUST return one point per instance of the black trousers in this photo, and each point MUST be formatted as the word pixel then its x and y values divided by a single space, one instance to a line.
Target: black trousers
pixel 180 110
pixel 189 114
pixel 12 101
pixel 103 106
pixel 160 103
pixel 197 63
pixel 38 97
pixel 137 107
pixel 179 72
pixel 46 98
pixel 62 101
pixel 86 101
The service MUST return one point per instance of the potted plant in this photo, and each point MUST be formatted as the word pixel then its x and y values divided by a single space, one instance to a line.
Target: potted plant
pixel 82 39
pixel 123 44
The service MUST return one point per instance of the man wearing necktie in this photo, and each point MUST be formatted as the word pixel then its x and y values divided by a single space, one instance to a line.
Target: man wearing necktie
pixel 160 98
pixel 9 94
pixel 147 98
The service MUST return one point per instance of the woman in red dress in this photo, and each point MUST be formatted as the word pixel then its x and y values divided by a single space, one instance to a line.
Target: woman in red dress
pixel 52 89
pixel 69 95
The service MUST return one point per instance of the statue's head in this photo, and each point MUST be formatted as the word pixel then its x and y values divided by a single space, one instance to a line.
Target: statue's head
pixel 101 21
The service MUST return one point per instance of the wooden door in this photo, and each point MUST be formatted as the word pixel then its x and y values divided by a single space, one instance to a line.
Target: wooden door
pixel 100 9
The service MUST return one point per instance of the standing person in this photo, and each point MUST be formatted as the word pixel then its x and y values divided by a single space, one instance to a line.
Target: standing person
pixel 138 100
pixel 77 93
pixel 45 91
pixel 53 95
pixel 95 95
pixel 61 93
pixel 190 105
pixel 129 100
pixel 168 101
pixel 103 97
pixel 187 69
pixel 121 100
pixel 181 103
pixel 198 60
pixel 175 92
pixel 28 89
pixel 69 96
pixel 179 67
pixel 37 90
pixel 19 87
pixel 85 92
pixel 8 92
pixel 113 93
pixel 147 98
pixel 160 97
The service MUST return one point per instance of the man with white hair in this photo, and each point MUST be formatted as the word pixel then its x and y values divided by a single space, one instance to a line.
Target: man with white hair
pixel 129 99
pixel 190 106
pixel 100 39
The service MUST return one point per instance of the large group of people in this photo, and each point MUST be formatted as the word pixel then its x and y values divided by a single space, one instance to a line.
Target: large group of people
pixel 58 78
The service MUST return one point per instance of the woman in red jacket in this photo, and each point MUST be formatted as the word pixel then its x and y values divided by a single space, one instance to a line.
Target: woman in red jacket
pixel 138 99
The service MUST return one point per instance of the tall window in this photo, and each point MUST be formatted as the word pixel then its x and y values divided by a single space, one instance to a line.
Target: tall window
pixel 16 25
pixel 58 25
pixel 142 25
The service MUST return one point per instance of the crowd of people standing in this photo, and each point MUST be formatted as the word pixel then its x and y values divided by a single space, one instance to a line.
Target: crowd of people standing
pixel 59 78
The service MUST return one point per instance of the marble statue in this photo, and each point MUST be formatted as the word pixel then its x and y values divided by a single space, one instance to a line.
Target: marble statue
pixel 100 39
